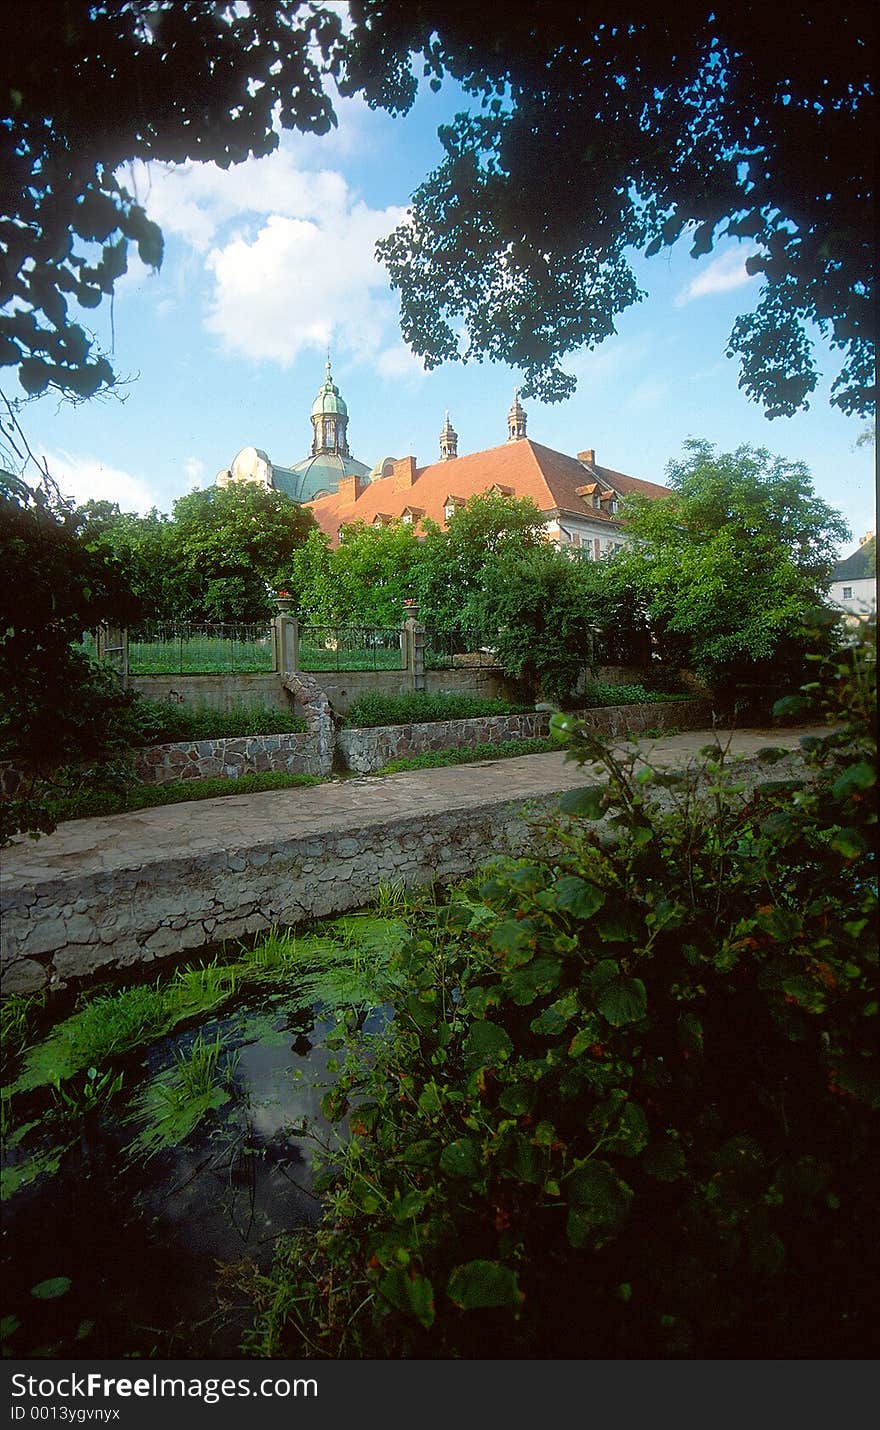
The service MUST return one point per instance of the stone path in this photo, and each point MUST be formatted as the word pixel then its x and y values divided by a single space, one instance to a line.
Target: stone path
pixel 127 888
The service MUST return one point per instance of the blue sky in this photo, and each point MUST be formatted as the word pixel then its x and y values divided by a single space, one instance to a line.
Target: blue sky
pixel 270 263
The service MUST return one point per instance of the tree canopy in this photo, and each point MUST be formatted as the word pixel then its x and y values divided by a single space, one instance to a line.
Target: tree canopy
pixel 732 562
pixel 596 135
pixel 591 137
pixel 218 557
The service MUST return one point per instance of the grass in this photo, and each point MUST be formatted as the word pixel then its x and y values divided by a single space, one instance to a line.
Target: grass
pixel 162 722
pixel 507 750
pixel 173 1103
pixel 199 655
pixel 598 693
pixel 416 708
pixel 110 1025
pixel 88 803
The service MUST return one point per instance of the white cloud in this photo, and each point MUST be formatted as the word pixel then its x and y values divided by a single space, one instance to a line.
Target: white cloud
pixel 85 479
pixel 398 363
pixel 194 468
pixel 723 274
pixel 304 283
pixel 195 201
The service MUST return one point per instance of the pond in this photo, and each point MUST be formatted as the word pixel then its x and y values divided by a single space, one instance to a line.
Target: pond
pixel 141 1201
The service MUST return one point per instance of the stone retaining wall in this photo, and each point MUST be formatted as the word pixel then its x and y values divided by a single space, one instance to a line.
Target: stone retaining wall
pixel 369 750
pixel 296 754
pixel 62 931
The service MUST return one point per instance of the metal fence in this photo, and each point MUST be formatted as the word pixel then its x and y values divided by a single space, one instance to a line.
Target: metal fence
pixel 349 648
pixel 459 650
pixel 172 648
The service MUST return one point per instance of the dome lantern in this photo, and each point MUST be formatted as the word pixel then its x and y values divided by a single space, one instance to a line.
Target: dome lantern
pixel 329 419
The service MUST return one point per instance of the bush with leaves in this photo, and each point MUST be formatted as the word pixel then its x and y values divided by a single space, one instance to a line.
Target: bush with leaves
pixel 57 708
pixel 627 1106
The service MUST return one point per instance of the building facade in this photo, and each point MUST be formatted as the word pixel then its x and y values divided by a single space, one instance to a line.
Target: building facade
pixel 579 498
pixel 854 581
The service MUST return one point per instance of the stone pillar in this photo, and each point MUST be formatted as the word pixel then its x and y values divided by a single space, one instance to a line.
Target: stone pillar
pixel 286 634
pixel 414 633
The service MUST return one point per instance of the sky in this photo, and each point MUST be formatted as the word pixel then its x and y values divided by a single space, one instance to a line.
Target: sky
pixel 270 265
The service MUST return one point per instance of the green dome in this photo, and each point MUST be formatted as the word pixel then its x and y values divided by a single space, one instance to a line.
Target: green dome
pixel 328 399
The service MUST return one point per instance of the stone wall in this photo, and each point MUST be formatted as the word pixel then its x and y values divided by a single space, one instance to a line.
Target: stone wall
pixel 61 931
pixel 342 687
pixel 296 754
pixel 366 751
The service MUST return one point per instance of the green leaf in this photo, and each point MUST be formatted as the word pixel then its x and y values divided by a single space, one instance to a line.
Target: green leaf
pixel 8 1326
pixel 623 1000
pixel 487 1045
pixel 576 896
pixel 410 1293
pixel 554 1018
pixel 664 1160
pixel 596 1192
pixel 478 1285
pixel 514 937
pixel 849 843
pixel 49 1290
pixel 586 802
pixel 516 1099
pixel 461 1158
pixel 857 777
pixel 541 976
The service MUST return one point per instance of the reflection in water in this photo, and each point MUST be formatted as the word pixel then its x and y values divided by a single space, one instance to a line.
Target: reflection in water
pixel 157 1251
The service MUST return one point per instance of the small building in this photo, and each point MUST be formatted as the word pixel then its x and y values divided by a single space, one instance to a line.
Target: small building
pixel 854 581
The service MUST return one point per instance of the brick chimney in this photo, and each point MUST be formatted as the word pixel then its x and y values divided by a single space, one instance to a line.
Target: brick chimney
pixel 349 489
pixel 589 456
pixel 404 473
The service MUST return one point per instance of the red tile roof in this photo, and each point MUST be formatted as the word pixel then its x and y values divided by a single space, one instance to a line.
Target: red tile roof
pixel 554 481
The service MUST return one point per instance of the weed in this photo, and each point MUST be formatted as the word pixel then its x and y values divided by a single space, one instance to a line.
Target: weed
pixel 506 750
pixel 416 707
pixel 119 799
pixel 173 1103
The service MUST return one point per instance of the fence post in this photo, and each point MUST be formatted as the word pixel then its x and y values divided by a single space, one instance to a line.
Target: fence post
pixel 112 647
pixel 413 642
pixel 286 642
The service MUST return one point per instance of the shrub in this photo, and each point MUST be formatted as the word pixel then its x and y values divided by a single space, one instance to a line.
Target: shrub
pixel 625 1107
pixel 160 722
pixel 417 707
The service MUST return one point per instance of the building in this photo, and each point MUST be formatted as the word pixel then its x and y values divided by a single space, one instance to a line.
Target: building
pixel 329 462
pixel 854 580
pixel 579 499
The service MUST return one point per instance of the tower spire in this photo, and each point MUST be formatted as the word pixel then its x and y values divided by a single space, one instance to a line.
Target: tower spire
pixel 448 440
pixel 516 419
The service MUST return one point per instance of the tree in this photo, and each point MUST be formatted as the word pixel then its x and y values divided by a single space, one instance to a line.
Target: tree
pixel 596 135
pixel 236 545
pixel 143 549
pixel 363 581
pixel 87 88
pixel 543 609
pixel 592 137
pixel 450 574
pixel 57 708
pixel 732 562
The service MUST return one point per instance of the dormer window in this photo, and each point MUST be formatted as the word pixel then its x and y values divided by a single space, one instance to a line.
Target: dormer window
pixel 451 506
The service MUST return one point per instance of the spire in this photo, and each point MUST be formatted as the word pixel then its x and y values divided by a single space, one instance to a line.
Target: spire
pixel 329 418
pixel 516 419
pixel 448 440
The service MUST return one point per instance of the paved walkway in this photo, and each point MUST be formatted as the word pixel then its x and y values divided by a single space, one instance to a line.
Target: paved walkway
pixel 205 827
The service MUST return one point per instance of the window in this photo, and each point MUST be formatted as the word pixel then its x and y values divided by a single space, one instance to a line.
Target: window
pixel 847 593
